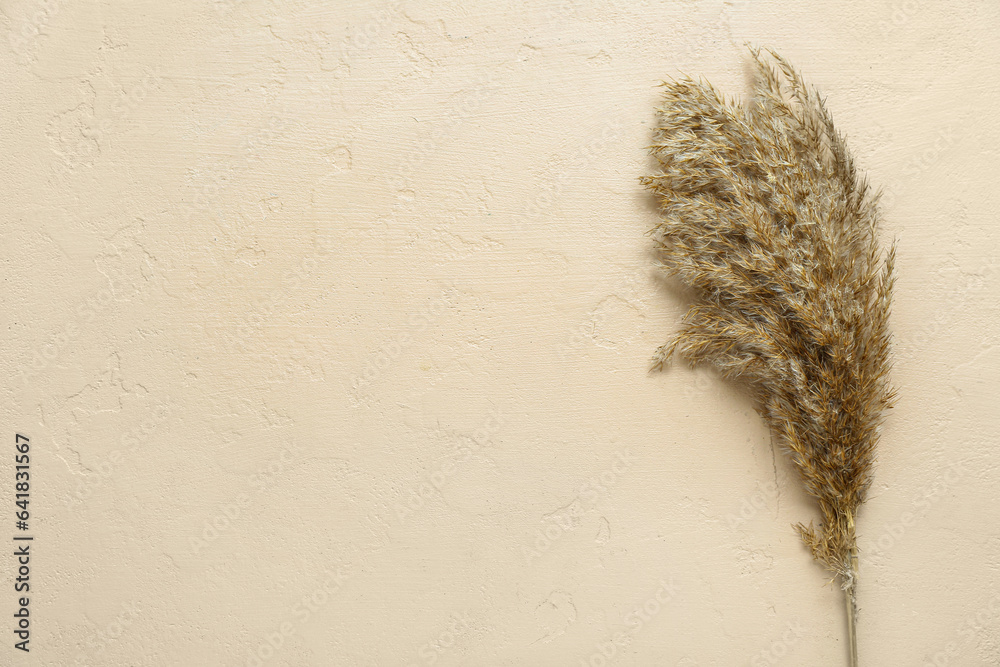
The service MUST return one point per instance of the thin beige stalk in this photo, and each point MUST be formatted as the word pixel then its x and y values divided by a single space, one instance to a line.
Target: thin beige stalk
pixel 851 599
pixel 852 624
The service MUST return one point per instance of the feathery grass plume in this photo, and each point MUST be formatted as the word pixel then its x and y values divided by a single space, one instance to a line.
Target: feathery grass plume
pixel 764 214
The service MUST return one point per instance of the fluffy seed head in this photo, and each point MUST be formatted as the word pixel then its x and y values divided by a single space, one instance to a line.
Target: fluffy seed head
pixel 764 213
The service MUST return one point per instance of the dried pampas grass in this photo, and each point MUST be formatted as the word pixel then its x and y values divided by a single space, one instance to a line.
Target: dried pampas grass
pixel 764 214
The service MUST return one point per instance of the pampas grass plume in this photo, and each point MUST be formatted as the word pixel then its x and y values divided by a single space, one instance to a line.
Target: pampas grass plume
pixel 764 214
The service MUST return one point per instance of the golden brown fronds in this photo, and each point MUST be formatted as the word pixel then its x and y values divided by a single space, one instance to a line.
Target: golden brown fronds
pixel 764 213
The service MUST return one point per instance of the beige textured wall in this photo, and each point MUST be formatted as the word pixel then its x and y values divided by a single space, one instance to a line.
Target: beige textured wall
pixel 329 325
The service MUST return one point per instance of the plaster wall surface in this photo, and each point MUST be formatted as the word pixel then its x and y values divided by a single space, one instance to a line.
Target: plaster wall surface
pixel 329 325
